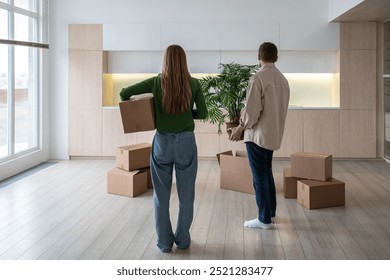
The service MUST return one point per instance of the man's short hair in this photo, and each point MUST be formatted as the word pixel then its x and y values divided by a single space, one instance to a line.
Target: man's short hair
pixel 268 52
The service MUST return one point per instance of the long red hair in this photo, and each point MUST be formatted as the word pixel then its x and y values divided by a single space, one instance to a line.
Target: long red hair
pixel 175 81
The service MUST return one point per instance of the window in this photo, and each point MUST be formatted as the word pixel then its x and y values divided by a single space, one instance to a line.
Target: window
pixel 3 101
pixel 26 4
pixel 23 32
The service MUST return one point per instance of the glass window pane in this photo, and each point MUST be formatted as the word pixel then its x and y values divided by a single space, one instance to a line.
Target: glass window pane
pixel 26 105
pixel 3 24
pixel 3 101
pixel 25 28
pixel 26 4
pixel 5 1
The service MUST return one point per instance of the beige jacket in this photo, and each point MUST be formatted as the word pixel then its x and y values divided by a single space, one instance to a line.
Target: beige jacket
pixel 266 107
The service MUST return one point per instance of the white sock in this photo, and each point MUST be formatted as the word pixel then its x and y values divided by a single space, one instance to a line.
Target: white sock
pixel 255 223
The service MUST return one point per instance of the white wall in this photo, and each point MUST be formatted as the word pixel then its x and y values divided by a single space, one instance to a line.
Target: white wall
pixel 291 16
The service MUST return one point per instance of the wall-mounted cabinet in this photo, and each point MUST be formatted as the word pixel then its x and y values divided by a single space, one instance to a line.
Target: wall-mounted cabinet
pixel 220 36
pixel 309 61
pixel 241 36
pixel 151 62
pixel 309 36
pixel 303 47
pixel 132 37
pixel 314 61
pixel 191 36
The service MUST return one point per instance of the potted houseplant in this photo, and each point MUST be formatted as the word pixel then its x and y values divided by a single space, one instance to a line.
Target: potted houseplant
pixel 225 93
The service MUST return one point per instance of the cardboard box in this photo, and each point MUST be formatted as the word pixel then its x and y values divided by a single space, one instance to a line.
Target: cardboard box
pixel 235 174
pixel 289 184
pixel 133 157
pixel 311 166
pixel 127 183
pixel 318 194
pixel 149 178
pixel 138 114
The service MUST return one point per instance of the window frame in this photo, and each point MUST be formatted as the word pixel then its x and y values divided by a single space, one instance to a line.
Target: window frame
pixel 35 57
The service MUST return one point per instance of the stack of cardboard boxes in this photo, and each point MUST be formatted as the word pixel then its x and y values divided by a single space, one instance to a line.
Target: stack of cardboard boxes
pixel 131 176
pixel 310 181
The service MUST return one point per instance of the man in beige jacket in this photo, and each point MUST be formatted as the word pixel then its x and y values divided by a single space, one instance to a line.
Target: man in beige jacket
pixel 262 122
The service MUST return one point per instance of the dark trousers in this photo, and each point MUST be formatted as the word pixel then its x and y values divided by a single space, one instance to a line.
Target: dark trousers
pixel 260 161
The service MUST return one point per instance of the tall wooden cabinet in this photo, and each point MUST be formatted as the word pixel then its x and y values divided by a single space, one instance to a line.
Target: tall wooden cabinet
pixel 93 130
pixel 86 67
pixel 357 90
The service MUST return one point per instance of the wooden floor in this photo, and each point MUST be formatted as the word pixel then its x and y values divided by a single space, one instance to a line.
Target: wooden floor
pixel 64 212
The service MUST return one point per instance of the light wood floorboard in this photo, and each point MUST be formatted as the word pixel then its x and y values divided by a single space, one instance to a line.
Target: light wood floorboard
pixel 64 212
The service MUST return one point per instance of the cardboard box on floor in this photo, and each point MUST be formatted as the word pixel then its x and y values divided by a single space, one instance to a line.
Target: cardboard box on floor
pixel 311 166
pixel 289 184
pixel 127 183
pixel 133 157
pixel 235 173
pixel 149 178
pixel 138 113
pixel 319 194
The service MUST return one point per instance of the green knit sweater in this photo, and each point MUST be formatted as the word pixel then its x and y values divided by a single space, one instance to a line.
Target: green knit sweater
pixel 168 122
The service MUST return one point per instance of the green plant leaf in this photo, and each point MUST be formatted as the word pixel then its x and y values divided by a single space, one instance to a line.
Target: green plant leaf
pixel 226 92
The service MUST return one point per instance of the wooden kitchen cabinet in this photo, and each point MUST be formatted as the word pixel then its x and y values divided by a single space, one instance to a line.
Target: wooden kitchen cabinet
pixel 85 132
pixel 86 64
pixel 347 132
pixel 293 134
pixel 321 130
pixel 357 134
pixel 112 132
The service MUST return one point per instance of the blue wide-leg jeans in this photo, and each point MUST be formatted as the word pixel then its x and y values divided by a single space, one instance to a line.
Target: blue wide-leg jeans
pixel 179 151
pixel 260 161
